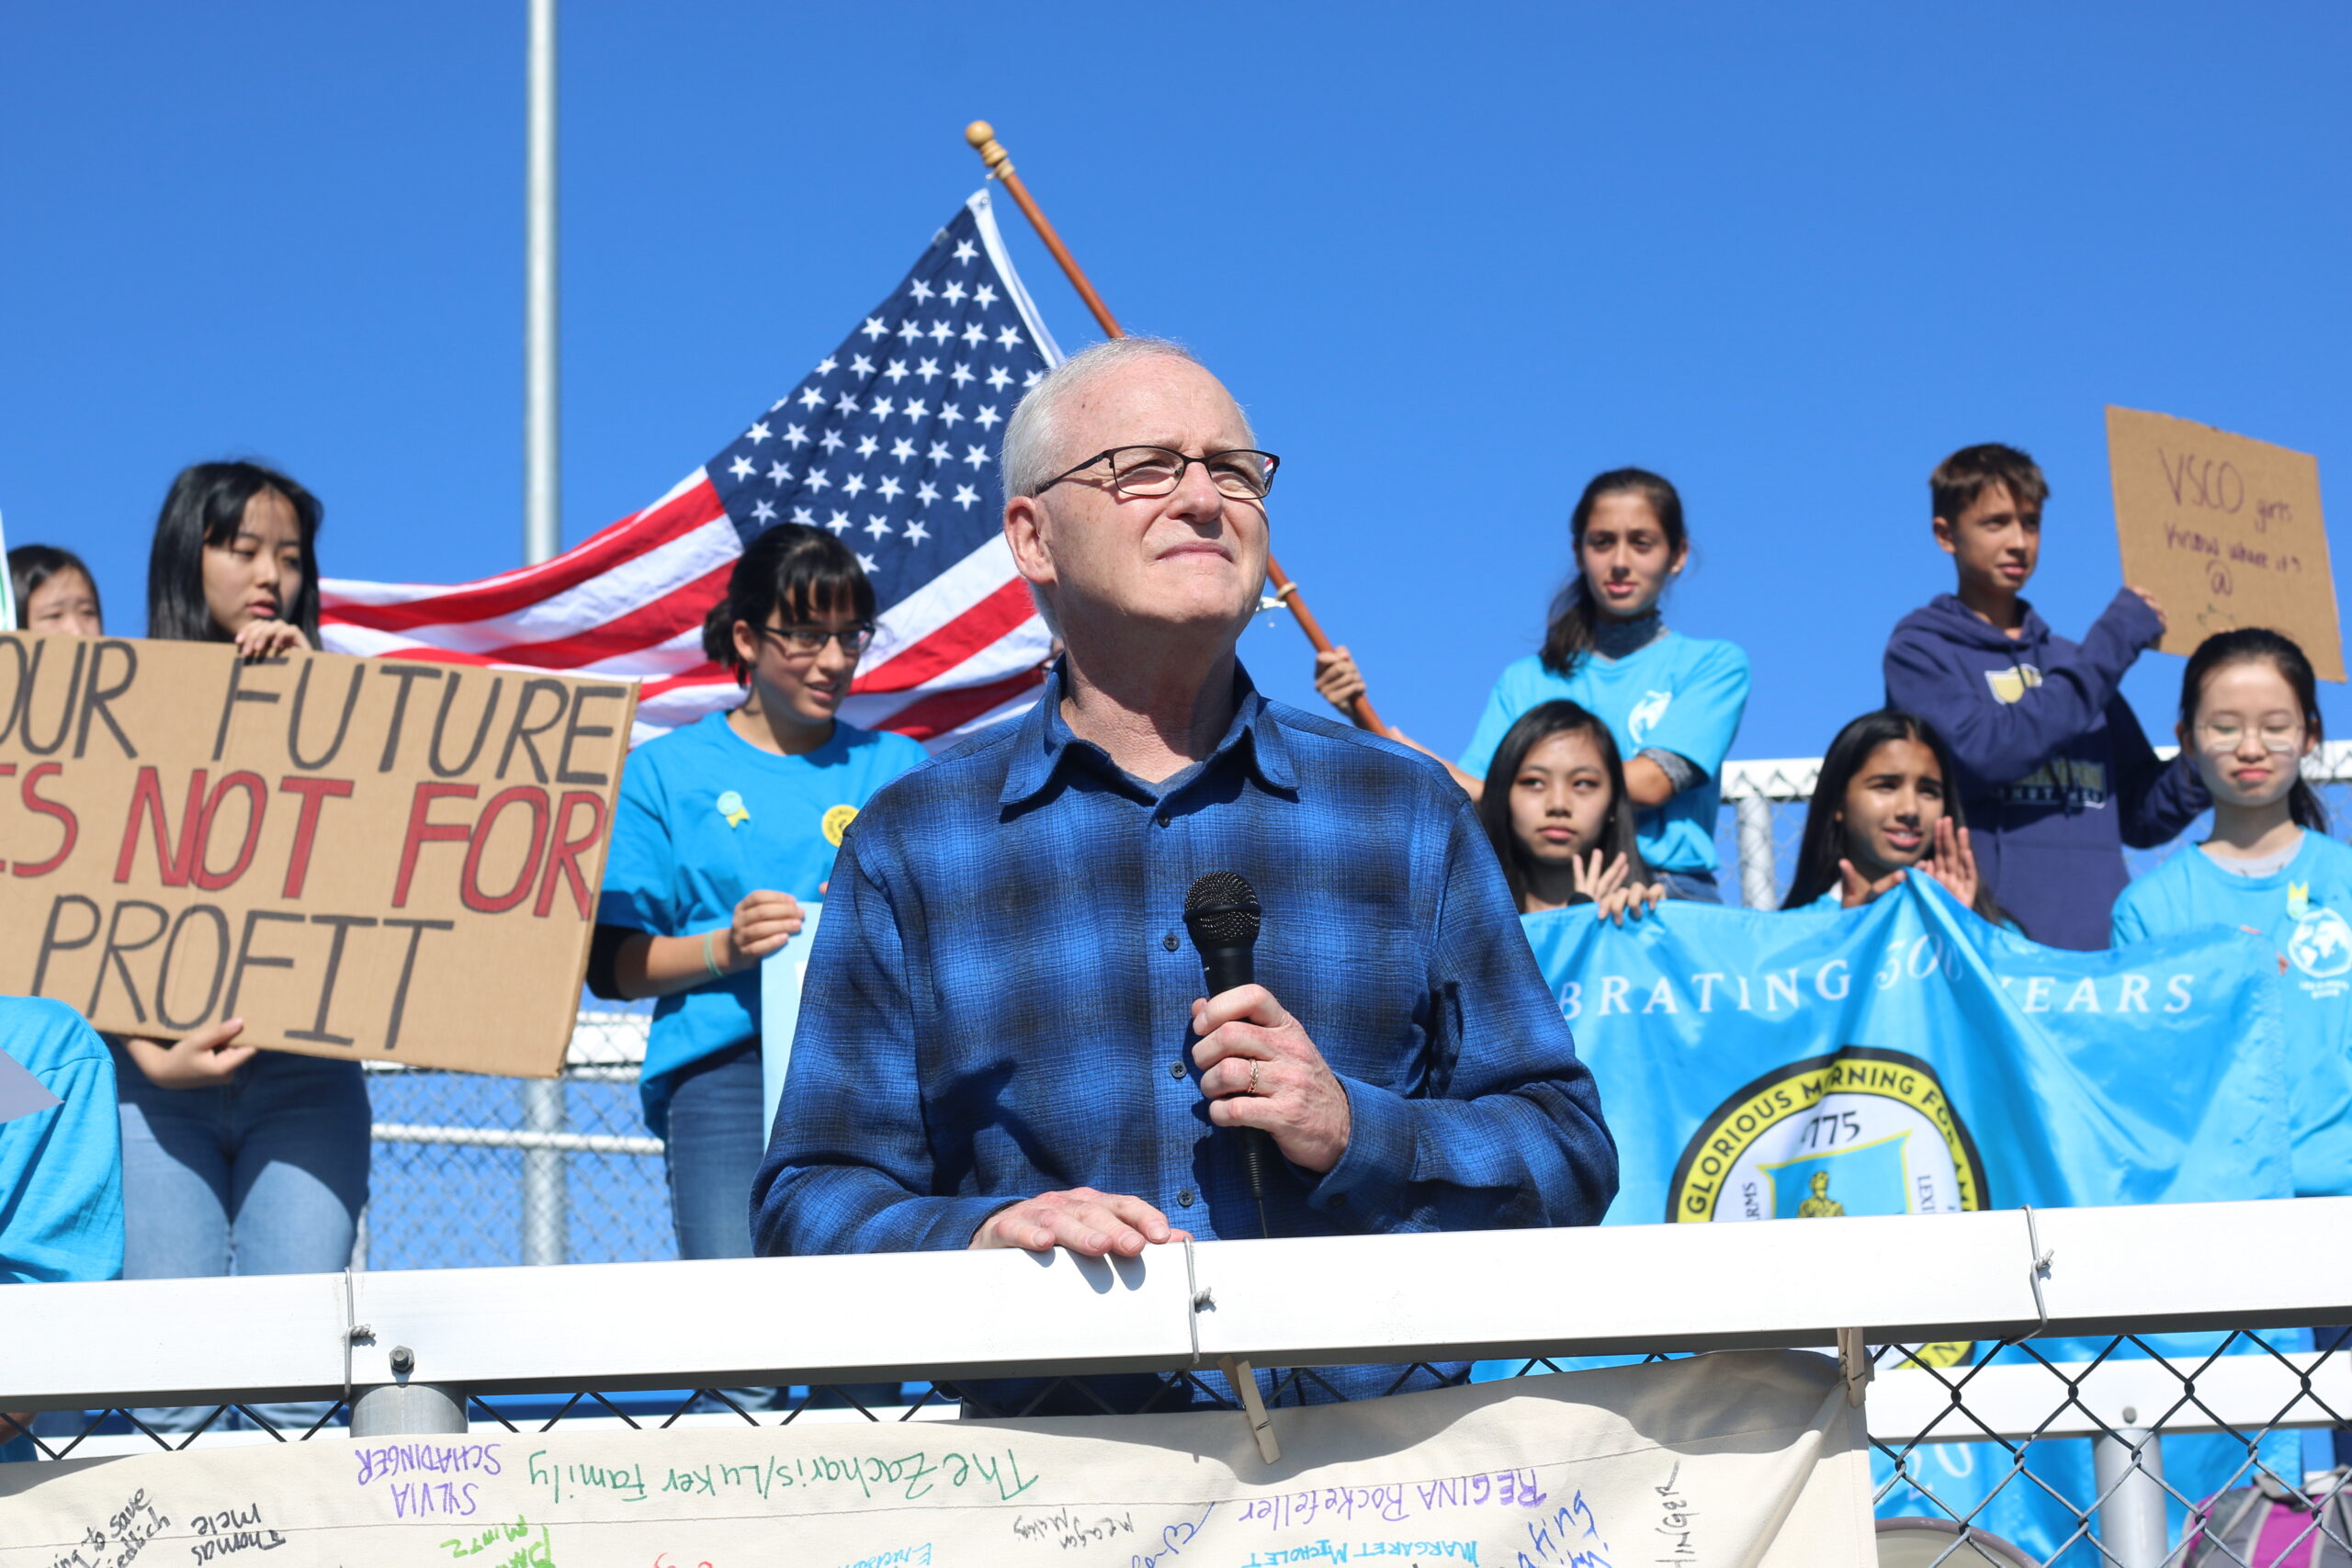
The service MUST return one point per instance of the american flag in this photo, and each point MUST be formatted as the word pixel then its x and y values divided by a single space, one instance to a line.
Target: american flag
pixel 890 443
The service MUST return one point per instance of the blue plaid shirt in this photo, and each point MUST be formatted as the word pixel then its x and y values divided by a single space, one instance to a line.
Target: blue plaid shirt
pixel 1001 998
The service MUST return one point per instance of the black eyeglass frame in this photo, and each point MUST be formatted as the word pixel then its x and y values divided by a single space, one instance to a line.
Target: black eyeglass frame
pixel 1184 465
pixel 862 630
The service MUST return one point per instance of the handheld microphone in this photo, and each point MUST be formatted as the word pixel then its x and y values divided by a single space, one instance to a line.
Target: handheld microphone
pixel 1221 916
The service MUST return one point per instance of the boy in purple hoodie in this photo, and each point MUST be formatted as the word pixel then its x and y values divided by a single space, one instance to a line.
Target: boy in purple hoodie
pixel 2055 774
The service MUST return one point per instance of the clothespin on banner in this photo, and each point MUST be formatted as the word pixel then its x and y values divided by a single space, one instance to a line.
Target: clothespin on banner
pixel 1238 1371
pixel 1854 1364
pixel 1261 1427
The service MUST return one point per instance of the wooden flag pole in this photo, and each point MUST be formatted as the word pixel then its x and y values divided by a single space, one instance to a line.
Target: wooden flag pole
pixel 982 136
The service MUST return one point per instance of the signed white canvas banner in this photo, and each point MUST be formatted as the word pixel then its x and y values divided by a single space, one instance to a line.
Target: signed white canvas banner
pixel 1751 1459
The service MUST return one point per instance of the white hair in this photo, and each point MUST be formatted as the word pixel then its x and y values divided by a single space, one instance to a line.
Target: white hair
pixel 1031 453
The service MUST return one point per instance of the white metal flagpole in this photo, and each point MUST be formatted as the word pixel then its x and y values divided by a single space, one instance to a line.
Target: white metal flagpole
pixel 546 1207
pixel 542 534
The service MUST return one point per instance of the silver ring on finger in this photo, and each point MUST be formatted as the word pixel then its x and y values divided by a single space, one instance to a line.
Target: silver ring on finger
pixel 1254 1079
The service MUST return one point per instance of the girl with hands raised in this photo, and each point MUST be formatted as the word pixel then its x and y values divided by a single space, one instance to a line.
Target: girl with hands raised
pixel 1886 803
pixel 1556 807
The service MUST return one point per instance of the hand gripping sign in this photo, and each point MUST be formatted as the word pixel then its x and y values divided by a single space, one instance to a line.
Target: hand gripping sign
pixel 358 857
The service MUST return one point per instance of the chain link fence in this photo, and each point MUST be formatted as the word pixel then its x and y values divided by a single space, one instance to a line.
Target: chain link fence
pixel 471 1172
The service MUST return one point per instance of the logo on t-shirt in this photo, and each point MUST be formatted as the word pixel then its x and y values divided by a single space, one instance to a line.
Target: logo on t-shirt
pixel 1646 716
pixel 837 822
pixel 2011 684
pixel 2320 946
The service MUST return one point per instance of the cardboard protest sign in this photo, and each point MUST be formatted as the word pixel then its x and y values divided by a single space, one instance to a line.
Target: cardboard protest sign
pixel 358 857
pixel 1751 1457
pixel 2225 532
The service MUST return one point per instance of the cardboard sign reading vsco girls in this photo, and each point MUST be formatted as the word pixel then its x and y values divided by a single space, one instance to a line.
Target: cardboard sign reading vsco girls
pixel 2226 531
pixel 358 857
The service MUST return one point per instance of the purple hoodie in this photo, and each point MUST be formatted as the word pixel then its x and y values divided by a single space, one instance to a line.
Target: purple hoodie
pixel 2055 774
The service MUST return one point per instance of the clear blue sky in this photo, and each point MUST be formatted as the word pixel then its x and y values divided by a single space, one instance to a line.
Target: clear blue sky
pixel 1455 259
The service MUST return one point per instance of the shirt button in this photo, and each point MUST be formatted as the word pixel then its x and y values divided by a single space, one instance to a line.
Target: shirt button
pixel 1163 820
pixel 1176 1068
pixel 1169 941
pixel 1184 1199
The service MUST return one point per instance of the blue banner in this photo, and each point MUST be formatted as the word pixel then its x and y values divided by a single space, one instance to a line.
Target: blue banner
pixel 1908 1057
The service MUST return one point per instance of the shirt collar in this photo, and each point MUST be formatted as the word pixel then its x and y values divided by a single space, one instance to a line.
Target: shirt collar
pixel 1045 743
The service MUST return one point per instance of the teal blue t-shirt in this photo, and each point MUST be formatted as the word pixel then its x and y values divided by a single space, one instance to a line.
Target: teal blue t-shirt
pixel 705 818
pixel 1682 695
pixel 2305 908
pixel 60 1169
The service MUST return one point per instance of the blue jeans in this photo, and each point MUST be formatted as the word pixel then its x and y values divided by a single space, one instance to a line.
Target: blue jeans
pixel 265 1175
pixel 713 1151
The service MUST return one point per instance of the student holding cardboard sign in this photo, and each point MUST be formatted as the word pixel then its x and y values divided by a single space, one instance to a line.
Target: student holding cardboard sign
pixel 237 1160
pixel 2055 774
pixel 723 829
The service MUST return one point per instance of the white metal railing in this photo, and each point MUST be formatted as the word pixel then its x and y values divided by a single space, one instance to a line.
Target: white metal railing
pixel 1318 1302
pixel 1789 780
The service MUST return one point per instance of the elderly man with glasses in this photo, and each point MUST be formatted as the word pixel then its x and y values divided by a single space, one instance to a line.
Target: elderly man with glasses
pixel 1005 1043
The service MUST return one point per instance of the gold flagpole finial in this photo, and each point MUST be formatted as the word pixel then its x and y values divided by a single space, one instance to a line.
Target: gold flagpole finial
pixel 982 136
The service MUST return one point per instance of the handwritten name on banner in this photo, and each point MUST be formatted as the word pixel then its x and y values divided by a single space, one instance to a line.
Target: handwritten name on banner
pixel 2226 531
pixel 358 857
pixel 1752 1457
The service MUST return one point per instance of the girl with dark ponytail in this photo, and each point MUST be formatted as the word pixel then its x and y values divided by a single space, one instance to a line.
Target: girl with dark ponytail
pixel 725 831
pixel 2249 715
pixel 1672 703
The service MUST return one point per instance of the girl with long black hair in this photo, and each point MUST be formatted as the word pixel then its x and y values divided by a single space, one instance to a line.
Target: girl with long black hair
pixel 1555 810
pixel 236 1160
pixel 1887 801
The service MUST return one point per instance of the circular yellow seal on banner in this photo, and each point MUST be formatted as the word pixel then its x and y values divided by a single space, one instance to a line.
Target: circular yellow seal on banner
pixel 1861 1132
pixel 837 822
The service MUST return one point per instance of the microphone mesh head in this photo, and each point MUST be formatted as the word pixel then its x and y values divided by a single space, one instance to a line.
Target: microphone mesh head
pixel 1222 908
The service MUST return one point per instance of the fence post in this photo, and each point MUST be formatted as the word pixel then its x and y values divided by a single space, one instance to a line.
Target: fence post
pixel 408 1410
pixel 1758 887
pixel 2129 1470
pixel 546 1202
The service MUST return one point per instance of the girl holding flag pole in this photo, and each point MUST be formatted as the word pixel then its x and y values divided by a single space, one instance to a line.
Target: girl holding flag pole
pixel 1671 703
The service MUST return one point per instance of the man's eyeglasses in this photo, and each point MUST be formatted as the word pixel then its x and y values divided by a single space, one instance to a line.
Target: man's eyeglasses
pixel 807 642
pixel 2276 735
pixel 1243 474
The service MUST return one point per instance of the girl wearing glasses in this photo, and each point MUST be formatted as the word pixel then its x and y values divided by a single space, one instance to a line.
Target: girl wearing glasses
pixel 1673 702
pixel 723 827
pixel 2249 715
